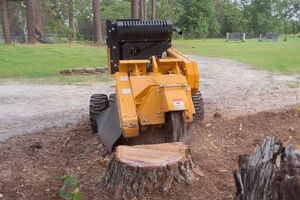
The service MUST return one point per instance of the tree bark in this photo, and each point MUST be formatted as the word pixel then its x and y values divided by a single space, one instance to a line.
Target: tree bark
pixel 145 9
pixel 97 22
pixel 142 14
pixel 71 19
pixel 134 170
pixel 5 23
pixel 153 9
pixel 134 9
pixel 31 22
pixel 38 18
pixel 270 173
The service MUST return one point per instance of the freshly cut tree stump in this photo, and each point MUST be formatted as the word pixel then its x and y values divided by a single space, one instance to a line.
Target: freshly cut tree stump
pixel 272 172
pixel 133 170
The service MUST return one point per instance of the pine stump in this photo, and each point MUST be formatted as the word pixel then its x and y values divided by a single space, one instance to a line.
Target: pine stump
pixel 272 172
pixel 134 170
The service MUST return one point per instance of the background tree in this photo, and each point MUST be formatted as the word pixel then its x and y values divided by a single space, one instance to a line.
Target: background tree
pixel 17 15
pixel 197 18
pixel 38 17
pixel 71 19
pixel 168 9
pixel 287 10
pixel 142 14
pixel 55 16
pixel 229 16
pixel 31 22
pixel 84 19
pixel 97 22
pixel 134 9
pixel 5 22
pixel 34 21
pixel 145 9
pixel 114 9
pixel 153 9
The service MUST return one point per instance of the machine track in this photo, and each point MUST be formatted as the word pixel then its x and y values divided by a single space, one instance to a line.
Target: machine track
pixel 111 99
pixel 98 103
pixel 199 106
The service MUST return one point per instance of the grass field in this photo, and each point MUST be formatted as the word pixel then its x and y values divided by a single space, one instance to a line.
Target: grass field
pixel 278 56
pixel 42 63
pixel 45 61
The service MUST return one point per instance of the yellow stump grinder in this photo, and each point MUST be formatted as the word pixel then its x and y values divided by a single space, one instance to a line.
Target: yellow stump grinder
pixel 155 84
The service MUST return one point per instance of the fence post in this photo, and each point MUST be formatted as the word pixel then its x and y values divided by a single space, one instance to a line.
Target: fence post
pixel 244 37
pixel 227 37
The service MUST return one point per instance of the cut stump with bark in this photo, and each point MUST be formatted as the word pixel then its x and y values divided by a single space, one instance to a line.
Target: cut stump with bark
pixel 134 170
pixel 272 172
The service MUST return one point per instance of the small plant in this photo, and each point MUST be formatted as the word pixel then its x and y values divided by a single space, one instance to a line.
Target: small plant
pixel 69 182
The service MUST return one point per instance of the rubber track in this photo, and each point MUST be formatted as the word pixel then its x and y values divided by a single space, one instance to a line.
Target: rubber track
pixel 98 103
pixel 199 106
pixel 111 99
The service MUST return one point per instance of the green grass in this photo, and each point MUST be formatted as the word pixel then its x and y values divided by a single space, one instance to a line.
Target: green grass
pixel 296 85
pixel 43 62
pixel 278 56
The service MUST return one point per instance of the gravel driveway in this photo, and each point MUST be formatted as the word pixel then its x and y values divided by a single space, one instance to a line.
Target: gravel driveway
pixel 229 87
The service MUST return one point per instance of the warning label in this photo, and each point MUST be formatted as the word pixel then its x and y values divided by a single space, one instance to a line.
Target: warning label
pixel 178 104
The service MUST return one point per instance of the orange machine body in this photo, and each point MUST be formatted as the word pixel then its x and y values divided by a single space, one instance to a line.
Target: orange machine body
pixel 144 97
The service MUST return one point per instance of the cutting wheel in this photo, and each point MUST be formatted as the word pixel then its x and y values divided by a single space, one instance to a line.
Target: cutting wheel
pixel 176 125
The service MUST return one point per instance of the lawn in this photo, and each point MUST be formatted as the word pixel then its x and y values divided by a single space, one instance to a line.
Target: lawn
pixel 42 63
pixel 45 61
pixel 278 56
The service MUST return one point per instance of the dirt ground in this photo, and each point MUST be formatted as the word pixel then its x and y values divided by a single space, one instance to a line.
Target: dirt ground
pixel 31 164
pixel 45 132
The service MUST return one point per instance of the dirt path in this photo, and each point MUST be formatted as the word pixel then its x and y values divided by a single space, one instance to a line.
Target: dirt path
pixel 29 108
pixel 233 88
pixel 229 87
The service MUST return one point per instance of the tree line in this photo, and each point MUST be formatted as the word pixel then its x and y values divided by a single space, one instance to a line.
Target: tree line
pixel 197 18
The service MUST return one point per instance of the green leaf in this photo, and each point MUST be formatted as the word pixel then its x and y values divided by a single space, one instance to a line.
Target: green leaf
pixel 69 181
pixel 65 176
pixel 76 194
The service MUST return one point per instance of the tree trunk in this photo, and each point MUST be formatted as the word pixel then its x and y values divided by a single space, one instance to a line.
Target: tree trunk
pixel 153 9
pixel 97 22
pixel 5 22
pixel 134 170
pixel 270 173
pixel 134 9
pixel 142 14
pixel 31 23
pixel 71 19
pixel 145 9
pixel 38 18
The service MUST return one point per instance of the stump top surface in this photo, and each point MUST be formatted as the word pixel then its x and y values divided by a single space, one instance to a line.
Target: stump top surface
pixel 155 155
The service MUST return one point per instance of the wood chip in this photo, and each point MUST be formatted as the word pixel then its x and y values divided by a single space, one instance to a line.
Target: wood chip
pixel 198 172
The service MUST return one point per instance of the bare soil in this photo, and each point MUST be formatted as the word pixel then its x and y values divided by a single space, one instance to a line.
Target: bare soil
pixel 31 164
pixel 45 132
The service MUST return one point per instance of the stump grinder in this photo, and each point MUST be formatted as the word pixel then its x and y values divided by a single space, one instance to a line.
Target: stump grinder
pixel 156 86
